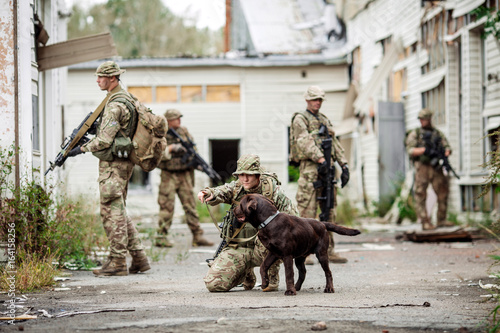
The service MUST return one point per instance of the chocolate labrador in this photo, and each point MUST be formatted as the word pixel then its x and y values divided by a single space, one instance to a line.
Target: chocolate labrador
pixel 289 237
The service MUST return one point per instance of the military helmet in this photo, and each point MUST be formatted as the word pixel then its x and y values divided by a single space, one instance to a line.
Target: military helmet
pixel 109 68
pixel 425 114
pixel 314 92
pixel 248 164
pixel 172 114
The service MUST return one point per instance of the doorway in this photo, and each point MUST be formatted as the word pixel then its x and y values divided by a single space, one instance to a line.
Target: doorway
pixel 224 155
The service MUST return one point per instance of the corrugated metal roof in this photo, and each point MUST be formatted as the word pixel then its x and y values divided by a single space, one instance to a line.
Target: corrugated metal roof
pixel 269 61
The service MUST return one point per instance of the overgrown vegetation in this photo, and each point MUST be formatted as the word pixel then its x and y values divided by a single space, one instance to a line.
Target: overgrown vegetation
pixel 48 232
pixel 492 24
pixel 144 28
pixel 493 164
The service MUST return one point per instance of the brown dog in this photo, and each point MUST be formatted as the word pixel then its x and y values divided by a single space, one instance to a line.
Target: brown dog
pixel 289 237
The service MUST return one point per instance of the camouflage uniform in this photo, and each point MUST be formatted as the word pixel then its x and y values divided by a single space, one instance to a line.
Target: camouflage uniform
pixel 114 174
pixel 234 265
pixel 425 173
pixel 305 128
pixel 177 177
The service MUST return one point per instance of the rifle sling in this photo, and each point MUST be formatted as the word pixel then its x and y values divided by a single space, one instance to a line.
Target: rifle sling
pixel 233 238
pixel 87 124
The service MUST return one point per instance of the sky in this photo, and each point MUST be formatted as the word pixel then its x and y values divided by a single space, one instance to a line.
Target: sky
pixel 203 13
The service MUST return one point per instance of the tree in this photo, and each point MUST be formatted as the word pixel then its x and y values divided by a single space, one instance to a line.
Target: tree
pixel 144 28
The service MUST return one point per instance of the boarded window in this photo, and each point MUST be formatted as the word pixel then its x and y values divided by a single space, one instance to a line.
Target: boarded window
pixel 191 94
pixel 471 201
pixel 434 100
pixel 223 93
pixel 143 94
pixel 166 94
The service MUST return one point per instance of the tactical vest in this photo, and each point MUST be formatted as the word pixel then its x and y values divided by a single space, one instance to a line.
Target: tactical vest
pixel 123 139
pixel 267 190
pixel 313 126
pixel 421 143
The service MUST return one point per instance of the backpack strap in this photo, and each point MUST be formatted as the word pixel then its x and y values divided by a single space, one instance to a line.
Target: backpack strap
pixel 130 103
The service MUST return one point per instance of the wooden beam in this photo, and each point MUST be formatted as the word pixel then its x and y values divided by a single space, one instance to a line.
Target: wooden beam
pixel 75 51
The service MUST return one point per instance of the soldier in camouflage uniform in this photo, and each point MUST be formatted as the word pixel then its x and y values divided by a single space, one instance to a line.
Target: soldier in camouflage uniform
pixel 177 177
pixel 306 149
pixel 235 264
pixel 426 173
pixel 116 121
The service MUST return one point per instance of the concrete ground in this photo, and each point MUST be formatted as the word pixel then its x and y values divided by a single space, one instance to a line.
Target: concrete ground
pixel 387 286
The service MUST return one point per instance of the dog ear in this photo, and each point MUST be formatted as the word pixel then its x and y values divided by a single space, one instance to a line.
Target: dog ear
pixel 252 205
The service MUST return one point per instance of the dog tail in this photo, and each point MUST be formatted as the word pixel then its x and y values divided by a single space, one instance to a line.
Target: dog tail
pixel 341 230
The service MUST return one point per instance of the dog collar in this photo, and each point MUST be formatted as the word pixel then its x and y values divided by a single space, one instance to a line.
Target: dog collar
pixel 269 219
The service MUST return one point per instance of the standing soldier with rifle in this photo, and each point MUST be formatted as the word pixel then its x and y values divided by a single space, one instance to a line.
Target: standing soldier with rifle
pixel 177 176
pixel 429 150
pixel 241 250
pixel 313 144
pixel 117 121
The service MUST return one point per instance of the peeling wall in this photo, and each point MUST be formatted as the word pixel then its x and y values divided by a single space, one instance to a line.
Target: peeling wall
pixel 7 86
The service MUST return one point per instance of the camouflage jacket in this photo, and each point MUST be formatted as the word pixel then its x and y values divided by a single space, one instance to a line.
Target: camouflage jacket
pixel 232 193
pixel 173 161
pixel 305 129
pixel 115 116
pixel 415 139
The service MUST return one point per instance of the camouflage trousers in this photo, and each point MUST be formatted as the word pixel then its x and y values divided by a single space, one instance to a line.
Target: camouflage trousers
pixel 307 195
pixel 182 183
pixel 425 174
pixel 120 230
pixel 232 265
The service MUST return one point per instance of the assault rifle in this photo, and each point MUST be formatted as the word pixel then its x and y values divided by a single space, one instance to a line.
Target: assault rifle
pixel 78 137
pixel 434 149
pixel 326 176
pixel 195 159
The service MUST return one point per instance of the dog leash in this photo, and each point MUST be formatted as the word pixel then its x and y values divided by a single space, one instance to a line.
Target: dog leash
pixel 233 238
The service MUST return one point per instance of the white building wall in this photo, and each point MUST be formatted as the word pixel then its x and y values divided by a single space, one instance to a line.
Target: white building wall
pixel 268 98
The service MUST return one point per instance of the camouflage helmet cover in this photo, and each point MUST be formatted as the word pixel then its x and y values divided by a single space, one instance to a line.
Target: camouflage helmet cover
pixel 314 92
pixel 109 68
pixel 425 114
pixel 172 114
pixel 248 164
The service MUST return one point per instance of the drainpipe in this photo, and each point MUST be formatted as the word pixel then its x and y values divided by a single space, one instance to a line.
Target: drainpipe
pixel 16 99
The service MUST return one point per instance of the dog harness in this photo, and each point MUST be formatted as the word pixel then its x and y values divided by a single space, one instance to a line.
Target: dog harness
pixel 266 222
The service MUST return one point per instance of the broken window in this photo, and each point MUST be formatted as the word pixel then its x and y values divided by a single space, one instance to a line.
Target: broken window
pixel 432 34
pixel 471 201
pixel 434 100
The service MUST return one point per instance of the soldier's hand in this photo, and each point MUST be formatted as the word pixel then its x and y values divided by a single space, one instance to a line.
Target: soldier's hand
pixel 322 169
pixel 202 196
pixel 75 151
pixel 177 148
pixel 345 175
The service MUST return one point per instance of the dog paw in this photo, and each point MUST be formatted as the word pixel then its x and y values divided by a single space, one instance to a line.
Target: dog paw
pixel 329 290
pixel 290 293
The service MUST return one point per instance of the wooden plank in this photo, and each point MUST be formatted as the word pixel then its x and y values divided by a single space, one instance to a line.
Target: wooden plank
pixel 451 234
pixel 75 51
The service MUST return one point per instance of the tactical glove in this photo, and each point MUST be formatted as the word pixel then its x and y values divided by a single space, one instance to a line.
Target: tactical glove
pixel 75 151
pixel 345 175
pixel 323 169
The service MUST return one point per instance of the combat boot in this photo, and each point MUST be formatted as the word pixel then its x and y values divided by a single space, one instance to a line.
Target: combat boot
pixel 274 277
pixel 162 241
pixel 336 259
pixel 249 281
pixel 113 267
pixel 427 225
pixel 139 262
pixel 309 260
pixel 199 240
pixel 444 224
